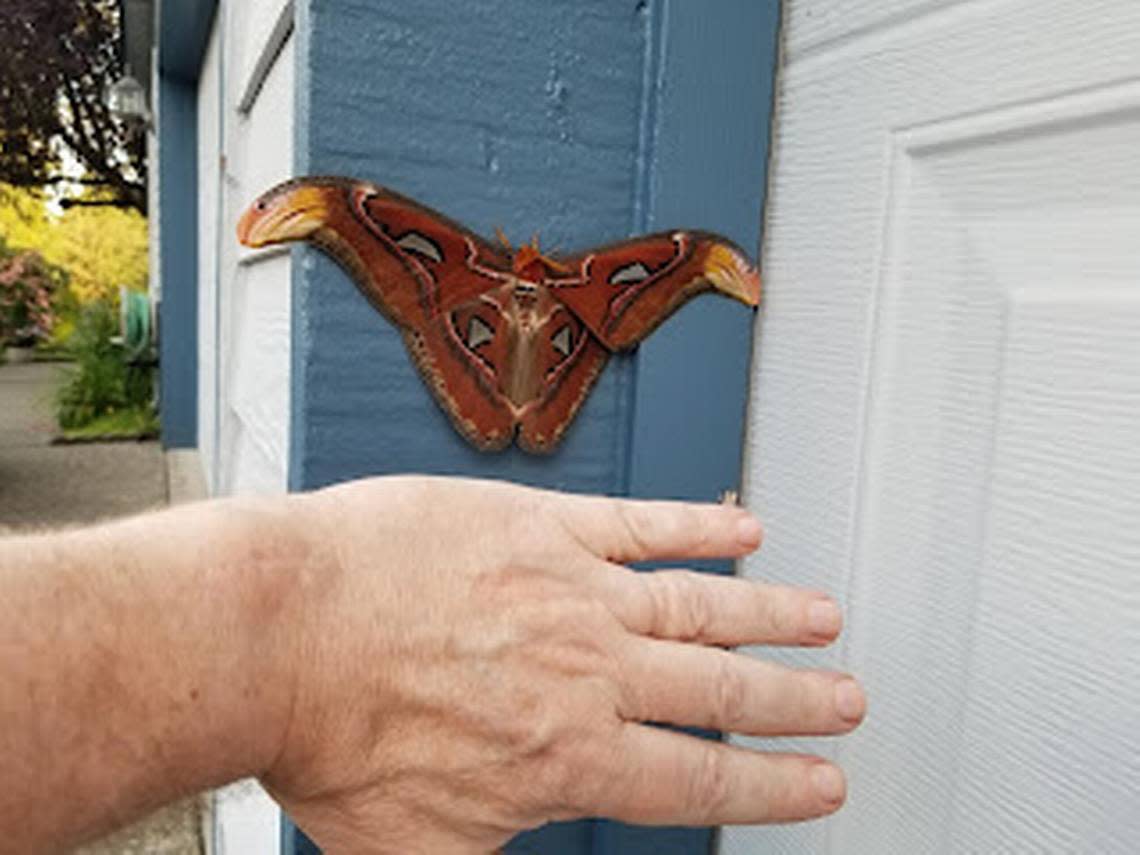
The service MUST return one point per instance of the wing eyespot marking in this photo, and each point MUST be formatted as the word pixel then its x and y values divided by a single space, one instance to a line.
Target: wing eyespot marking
pixel 563 341
pixel 630 274
pixel 478 332
pixel 421 245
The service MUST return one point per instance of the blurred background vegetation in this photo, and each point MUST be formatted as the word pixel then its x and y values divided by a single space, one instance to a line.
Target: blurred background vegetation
pixel 61 273
pixel 73 231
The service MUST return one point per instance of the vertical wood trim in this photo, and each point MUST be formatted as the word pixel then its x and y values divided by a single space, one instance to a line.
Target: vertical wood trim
pixel 178 265
pixel 708 169
pixel 705 165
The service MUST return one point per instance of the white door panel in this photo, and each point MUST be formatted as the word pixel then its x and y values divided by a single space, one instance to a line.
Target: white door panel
pixel 946 414
pixel 255 286
pixel 249 326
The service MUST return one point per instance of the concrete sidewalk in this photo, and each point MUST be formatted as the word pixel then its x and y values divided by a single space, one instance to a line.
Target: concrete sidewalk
pixel 45 486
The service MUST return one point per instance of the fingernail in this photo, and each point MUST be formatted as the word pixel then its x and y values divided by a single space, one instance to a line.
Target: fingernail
pixel 828 783
pixel 849 701
pixel 748 531
pixel 824 618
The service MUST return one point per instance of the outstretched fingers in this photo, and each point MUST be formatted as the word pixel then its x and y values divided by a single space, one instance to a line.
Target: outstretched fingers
pixel 684 684
pixel 710 609
pixel 626 530
pixel 662 776
pixel 671 670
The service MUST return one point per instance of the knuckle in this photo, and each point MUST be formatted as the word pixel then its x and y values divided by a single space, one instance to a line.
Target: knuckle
pixel 698 607
pixel 532 734
pixel 560 772
pixel 566 619
pixel 777 616
pixel 684 607
pixel 710 787
pixel 731 694
pixel 637 524
pixel 576 776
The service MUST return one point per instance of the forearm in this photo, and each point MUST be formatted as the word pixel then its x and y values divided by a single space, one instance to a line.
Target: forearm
pixel 139 661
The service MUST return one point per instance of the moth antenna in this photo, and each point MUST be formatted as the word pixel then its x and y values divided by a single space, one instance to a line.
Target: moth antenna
pixel 555 264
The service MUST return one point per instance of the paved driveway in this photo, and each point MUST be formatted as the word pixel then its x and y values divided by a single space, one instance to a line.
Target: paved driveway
pixel 44 485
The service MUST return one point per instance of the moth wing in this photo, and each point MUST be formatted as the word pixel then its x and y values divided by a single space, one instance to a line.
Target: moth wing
pixel 460 356
pixel 423 263
pixel 428 274
pixel 569 360
pixel 622 292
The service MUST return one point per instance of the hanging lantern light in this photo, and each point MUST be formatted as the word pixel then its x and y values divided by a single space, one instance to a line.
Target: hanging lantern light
pixel 126 99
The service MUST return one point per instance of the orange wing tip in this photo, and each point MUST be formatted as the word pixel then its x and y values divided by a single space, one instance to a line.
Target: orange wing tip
pixel 245 226
pixel 731 274
pixel 278 217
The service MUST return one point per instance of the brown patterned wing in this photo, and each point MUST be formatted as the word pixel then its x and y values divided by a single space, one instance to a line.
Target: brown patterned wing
pixel 465 391
pixel 443 264
pixel 442 297
pixel 528 354
pixel 568 361
pixel 624 291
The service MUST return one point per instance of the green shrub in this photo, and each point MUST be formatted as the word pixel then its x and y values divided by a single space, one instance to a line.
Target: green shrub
pixel 102 381
pixel 67 308
pixel 28 289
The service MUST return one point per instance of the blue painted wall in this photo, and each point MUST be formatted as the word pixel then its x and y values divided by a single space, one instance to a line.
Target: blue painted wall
pixel 708 155
pixel 515 114
pixel 585 121
pixel 178 230
pixel 182 32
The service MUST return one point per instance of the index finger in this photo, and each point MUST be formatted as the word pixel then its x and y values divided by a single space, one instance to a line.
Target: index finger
pixel 625 530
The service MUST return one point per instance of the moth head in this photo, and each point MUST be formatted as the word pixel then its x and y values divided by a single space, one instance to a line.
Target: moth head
pixel 530 263
pixel 730 273
pixel 288 212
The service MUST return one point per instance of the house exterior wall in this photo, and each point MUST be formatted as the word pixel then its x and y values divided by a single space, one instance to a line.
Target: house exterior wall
pixel 208 212
pixel 245 97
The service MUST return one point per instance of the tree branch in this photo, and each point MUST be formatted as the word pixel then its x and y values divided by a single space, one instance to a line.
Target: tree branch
pixel 95 203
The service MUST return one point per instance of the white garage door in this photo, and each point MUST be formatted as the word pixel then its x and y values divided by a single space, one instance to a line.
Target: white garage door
pixel 945 425
pixel 245 140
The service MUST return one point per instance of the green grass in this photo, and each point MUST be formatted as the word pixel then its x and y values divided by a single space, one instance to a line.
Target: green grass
pixel 131 423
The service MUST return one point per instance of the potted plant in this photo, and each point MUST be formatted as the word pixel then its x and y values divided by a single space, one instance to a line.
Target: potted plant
pixel 28 285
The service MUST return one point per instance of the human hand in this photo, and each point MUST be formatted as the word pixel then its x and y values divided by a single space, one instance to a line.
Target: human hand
pixel 471 660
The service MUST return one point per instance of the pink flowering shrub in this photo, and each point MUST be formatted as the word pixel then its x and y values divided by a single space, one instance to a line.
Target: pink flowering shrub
pixel 28 286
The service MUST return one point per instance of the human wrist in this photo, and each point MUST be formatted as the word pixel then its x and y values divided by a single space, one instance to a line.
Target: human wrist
pixel 267 557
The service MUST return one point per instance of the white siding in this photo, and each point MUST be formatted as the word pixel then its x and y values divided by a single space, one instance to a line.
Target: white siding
pixel 208 212
pixel 244 320
pixel 946 412
pixel 257 287
pixel 244 334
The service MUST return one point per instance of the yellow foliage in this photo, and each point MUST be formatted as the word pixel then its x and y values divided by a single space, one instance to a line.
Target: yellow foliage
pixel 101 248
pixel 23 218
